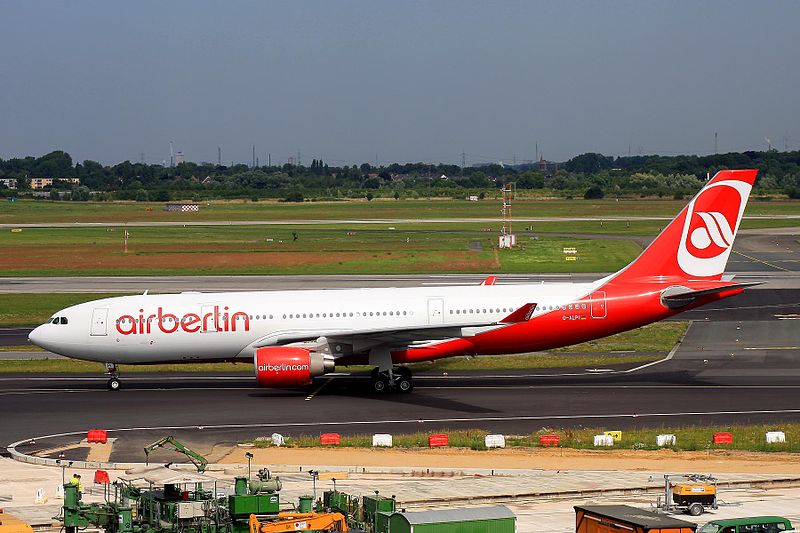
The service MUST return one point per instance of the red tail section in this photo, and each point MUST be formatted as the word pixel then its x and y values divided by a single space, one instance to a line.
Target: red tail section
pixel 697 243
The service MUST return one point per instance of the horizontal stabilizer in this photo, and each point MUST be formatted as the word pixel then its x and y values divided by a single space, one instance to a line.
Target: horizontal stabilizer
pixel 684 297
pixel 523 314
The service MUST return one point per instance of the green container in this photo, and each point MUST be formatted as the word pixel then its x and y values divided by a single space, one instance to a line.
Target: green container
pixel 497 519
pixel 306 504
pixel 374 504
pixel 382 522
pixel 253 504
pixel 124 521
pixel 71 496
pixel 240 487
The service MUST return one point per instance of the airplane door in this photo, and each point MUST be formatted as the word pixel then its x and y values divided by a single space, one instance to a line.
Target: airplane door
pixel 599 307
pixel 435 311
pixel 99 322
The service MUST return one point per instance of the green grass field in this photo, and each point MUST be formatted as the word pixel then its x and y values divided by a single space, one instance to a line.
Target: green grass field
pixel 32 309
pixel 226 250
pixel 42 211
pixel 335 248
pixel 688 438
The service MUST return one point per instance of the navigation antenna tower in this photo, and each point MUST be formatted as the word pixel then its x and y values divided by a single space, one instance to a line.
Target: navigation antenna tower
pixel 507 237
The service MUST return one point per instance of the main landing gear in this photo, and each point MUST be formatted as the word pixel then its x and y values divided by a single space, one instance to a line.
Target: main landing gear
pixel 113 373
pixel 397 379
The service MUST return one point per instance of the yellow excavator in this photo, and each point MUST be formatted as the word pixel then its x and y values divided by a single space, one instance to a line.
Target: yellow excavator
pixel 300 522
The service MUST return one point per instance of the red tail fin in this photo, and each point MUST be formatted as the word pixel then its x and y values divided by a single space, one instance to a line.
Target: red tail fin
pixel 697 243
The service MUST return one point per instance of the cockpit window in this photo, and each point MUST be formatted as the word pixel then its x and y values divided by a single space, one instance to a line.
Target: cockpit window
pixel 54 320
pixel 58 320
pixel 63 320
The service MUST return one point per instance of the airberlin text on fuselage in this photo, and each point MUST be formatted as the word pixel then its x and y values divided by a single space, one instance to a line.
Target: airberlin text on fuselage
pixel 189 323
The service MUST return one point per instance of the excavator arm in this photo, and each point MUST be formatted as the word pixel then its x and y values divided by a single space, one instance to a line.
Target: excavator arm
pixel 197 460
pixel 334 522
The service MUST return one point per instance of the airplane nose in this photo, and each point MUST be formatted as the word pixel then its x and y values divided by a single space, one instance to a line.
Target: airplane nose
pixel 36 336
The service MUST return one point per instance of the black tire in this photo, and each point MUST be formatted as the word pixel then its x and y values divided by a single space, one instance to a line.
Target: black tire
pixel 695 509
pixel 405 385
pixel 379 385
pixel 114 384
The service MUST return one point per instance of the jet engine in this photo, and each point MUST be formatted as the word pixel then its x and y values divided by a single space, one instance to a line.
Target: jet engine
pixel 290 366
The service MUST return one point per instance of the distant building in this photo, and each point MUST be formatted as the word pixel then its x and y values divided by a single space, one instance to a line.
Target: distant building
pixel 41 183
pixel 473 198
pixel 184 207
pixel 10 183
pixel 179 158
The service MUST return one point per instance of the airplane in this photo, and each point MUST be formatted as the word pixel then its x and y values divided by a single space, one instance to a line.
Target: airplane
pixel 295 336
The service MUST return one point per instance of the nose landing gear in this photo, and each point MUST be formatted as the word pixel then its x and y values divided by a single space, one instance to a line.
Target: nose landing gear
pixel 113 383
pixel 396 379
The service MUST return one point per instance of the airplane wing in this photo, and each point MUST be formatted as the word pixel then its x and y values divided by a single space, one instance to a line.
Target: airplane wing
pixel 356 340
pixel 680 298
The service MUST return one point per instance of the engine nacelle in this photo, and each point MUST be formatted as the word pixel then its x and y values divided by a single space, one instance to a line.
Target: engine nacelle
pixel 289 366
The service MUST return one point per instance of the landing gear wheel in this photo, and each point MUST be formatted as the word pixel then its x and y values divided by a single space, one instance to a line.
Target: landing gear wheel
pixel 113 373
pixel 696 509
pixel 379 384
pixel 405 385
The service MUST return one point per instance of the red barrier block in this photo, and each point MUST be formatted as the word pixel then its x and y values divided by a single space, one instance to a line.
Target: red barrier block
pixel 330 438
pixel 97 435
pixel 437 440
pixel 723 438
pixel 549 440
pixel 101 477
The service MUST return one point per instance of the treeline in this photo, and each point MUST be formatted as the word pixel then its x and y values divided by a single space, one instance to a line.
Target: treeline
pixel 591 175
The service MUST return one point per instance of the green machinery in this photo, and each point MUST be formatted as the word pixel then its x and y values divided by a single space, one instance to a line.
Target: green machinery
pixel 197 460
pixel 368 513
pixel 177 502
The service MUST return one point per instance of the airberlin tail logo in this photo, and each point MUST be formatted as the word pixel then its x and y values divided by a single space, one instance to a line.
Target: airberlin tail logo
pixel 715 231
pixel 710 226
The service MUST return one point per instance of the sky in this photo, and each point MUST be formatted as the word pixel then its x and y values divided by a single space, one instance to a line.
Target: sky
pixel 359 81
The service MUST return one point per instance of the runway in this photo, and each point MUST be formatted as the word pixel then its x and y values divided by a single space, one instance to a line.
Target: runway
pixel 724 372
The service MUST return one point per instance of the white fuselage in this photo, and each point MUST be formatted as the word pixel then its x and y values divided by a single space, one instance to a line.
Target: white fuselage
pixel 226 326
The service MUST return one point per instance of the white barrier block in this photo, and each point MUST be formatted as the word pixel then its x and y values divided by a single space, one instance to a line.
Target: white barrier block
pixel 278 440
pixel 775 437
pixel 603 440
pixel 382 439
pixel 495 441
pixel 665 440
pixel 41 497
pixel 60 492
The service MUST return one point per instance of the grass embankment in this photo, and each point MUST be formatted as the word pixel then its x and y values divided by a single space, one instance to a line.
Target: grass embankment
pixel 23 309
pixel 29 211
pixel 641 345
pixel 688 438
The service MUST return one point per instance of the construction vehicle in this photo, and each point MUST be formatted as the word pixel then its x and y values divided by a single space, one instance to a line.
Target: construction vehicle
pixel 693 496
pixel 300 522
pixel 12 524
pixel 198 460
